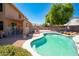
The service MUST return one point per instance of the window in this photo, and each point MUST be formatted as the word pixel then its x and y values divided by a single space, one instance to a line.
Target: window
pixel 13 24
pixel 1 8
pixel 1 25
pixel 26 24
pixel 19 16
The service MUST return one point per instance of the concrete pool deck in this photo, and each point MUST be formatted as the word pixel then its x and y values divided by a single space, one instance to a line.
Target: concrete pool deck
pixel 76 40
pixel 16 40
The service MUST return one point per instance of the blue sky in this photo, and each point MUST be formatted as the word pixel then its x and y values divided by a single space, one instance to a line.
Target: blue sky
pixel 36 12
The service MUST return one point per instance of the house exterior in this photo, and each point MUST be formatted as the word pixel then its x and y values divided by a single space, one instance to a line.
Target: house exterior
pixel 12 21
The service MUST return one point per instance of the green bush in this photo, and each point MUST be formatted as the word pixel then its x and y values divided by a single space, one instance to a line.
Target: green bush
pixel 10 50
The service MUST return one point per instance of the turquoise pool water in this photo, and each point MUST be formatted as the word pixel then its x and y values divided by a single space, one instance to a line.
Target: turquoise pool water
pixel 55 45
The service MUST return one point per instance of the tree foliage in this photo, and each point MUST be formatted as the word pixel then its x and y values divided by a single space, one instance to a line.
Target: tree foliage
pixel 59 14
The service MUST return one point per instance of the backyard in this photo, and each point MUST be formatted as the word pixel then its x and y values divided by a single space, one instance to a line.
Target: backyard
pixel 20 37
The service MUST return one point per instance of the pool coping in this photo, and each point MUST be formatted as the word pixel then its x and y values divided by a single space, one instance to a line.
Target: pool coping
pixel 27 44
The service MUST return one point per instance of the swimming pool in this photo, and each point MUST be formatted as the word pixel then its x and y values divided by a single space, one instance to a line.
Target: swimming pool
pixel 54 44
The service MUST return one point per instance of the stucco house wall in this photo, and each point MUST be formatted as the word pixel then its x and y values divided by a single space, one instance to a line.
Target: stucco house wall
pixel 10 12
pixel 10 15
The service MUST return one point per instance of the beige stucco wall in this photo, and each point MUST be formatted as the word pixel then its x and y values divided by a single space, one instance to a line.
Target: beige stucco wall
pixel 1 16
pixel 10 12
pixel 30 25
pixel 25 28
pixel 12 15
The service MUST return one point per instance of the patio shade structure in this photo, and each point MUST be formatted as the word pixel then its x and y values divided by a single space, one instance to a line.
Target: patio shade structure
pixel 73 21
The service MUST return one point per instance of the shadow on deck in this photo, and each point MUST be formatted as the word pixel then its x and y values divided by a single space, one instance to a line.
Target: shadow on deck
pixel 16 40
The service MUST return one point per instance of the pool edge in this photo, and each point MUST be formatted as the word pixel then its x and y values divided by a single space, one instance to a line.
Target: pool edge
pixel 27 43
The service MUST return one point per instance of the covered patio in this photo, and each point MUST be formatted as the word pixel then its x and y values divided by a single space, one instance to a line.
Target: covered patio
pixel 14 27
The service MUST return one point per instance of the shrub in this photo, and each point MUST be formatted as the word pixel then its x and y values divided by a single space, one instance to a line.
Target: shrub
pixel 10 50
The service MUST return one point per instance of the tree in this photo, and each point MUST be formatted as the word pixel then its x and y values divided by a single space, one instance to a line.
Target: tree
pixel 59 14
